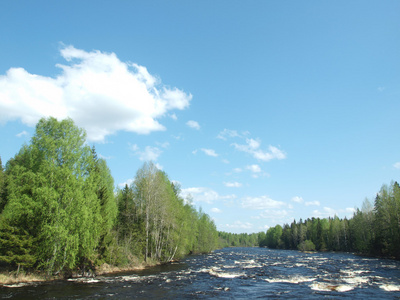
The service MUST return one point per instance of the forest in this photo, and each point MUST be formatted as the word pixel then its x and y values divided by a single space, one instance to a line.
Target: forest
pixel 374 230
pixel 59 211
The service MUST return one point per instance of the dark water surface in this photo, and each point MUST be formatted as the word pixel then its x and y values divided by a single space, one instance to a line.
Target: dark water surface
pixel 235 273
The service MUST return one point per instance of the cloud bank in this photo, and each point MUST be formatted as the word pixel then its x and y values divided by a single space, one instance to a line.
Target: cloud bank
pixel 98 91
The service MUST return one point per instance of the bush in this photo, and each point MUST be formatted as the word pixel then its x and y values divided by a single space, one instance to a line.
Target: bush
pixel 307 245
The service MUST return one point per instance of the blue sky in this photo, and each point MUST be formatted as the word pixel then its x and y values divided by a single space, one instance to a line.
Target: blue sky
pixel 264 111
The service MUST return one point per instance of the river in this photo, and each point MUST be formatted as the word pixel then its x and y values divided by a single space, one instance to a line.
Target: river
pixel 235 273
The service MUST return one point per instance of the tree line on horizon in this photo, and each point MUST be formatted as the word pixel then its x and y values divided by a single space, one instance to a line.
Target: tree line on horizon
pixel 373 230
pixel 60 212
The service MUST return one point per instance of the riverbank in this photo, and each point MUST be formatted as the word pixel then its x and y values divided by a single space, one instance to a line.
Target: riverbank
pixel 11 277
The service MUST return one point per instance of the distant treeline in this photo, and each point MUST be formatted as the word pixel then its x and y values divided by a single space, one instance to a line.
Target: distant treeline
pixel 373 230
pixel 59 210
pixel 227 239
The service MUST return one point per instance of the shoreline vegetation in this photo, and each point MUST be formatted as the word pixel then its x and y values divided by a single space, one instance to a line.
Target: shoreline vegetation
pixel 12 277
pixel 61 216
pixel 60 212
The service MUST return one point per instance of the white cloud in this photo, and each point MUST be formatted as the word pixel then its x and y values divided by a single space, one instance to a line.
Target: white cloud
pixel 233 184
pixel 228 133
pixel 239 224
pixel 203 194
pixel 173 117
pixel 216 210
pixel 297 199
pixel 148 154
pixel 224 134
pixel 237 170
pixel 325 213
pixel 397 165
pixel 193 124
pixel 105 157
pixel 252 147
pixel 127 182
pixel 209 152
pixel 254 168
pixel 274 214
pixel 98 91
pixel 163 145
pixel 23 133
pixel 262 202
pixel 309 203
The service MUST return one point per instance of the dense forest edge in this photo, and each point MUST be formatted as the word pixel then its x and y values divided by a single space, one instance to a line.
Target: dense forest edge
pixel 374 230
pixel 61 216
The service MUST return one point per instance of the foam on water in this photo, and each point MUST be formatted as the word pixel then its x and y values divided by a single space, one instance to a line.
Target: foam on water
pixel 219 273
pixel 294 279
pixel 328 287
pixel 17 285
pixel 390 287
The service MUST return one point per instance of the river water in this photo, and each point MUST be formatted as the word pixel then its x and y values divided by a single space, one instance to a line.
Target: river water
pixel 235 273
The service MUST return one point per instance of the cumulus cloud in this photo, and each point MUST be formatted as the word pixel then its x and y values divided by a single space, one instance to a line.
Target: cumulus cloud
pixel 239 224
pixel 297 199
pixel 216 210
pixel 254 168
pixel 256 171
pixel 98 91
pixel 148 154
pixel 209 152
pixel 233 184
pixel 274 214
pixel 397 165
pixel 203 194
pixel 262 202
pixel 193 124
pixel 252 147
pixel 330 212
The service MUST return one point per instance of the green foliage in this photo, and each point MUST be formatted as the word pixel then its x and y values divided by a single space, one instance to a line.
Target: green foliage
pixel 373 230
pixel 59 211
pixel 2 187
pixel 16 245
pixel 227 239
pixel 306 245
pixel 60 195
pixel 155 224
pixel 273 237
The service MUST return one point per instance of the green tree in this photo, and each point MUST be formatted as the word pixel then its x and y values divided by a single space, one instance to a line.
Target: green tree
pixel 2 187
pixel 52 196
